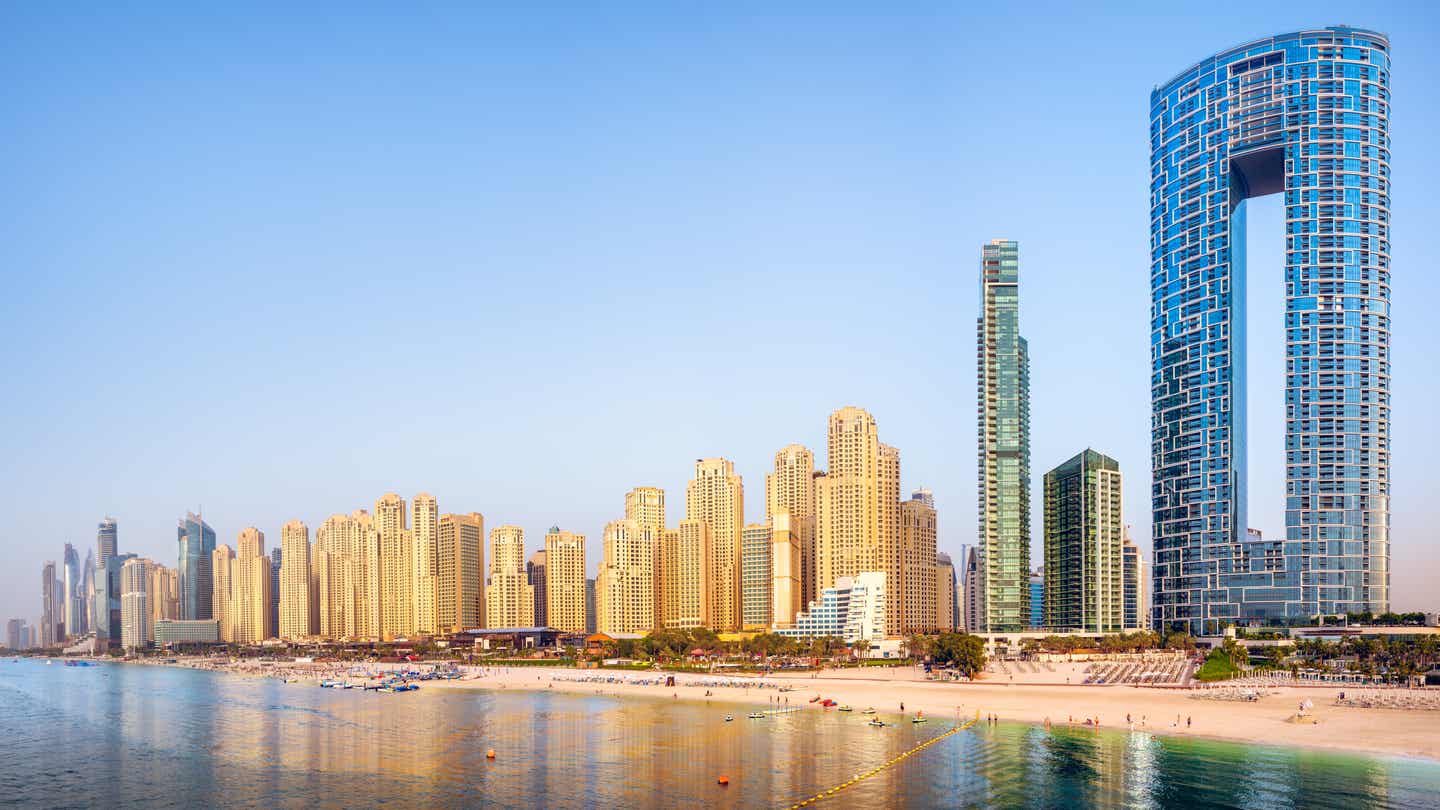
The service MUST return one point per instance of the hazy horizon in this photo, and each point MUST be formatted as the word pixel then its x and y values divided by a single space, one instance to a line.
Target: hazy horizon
pixel 274 265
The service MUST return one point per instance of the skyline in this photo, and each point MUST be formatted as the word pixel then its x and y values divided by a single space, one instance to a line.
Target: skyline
pixel 272 450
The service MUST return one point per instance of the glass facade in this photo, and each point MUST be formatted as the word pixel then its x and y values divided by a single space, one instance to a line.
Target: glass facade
pixel 1084 535
pixel 197 542
pixel 1003 364
pixel 1305 115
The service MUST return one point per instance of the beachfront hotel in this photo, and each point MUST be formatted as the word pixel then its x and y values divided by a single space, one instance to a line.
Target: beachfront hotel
pixel 1003 371
pixel 916 601
pixel 791 489
pixel 297 598
pixel 1084 583
pixel 460 567
pixel 565 580
pixel 509 598
pixel 646 506
pixel 1305 114
pixel 687 559
pixel 717 496
pixel 858 504
pixel 624 585
pixel 757 576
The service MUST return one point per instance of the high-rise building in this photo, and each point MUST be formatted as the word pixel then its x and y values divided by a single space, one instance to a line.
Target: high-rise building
pixel 916 603
pixel 590 605
pixel 222 595
pixel 565 581
pixel 787 567
pixel 460 573
pixel 1137 602
pixel 50 616
pixel 757 576
pixel 1037 598
pixel 277 554
pixel 791 489
pixel 107 539
pixel 1306 114
pixel 509 599
pixel 535 572
pixel 164 593
pixel 646 506
pixel 858 506
pixel 974 588
pixel 297 597
pixel 197 542
pixel 397 568
pixel 76 620
pixel 251 584
pixel 1084 533
pixel 1003 360
pixel 17 635
pixel 624 584
pixel 717 496
pixel 687 574
pixel 107 598
pixel 425 514
pixel 136 620
pixel 947 597
pixel 331 553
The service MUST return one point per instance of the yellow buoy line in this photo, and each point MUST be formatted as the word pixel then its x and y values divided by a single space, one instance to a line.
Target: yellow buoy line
pixel 860 777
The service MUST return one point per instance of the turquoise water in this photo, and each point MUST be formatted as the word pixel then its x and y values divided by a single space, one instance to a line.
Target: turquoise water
pixel 159 737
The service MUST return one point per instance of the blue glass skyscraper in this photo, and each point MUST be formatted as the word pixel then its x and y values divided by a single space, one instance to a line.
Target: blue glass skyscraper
pixel 197 541
pixel 1305 115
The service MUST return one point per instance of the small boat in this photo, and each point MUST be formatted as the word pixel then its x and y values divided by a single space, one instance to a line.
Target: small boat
pixel 870 710
pixel 729 717
pixel 845 708
pixel 815 699
pixel 876 722
pixel 757 715
pixel 919 720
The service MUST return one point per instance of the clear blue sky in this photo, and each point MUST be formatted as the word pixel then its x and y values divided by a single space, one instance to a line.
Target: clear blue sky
pixel 278 262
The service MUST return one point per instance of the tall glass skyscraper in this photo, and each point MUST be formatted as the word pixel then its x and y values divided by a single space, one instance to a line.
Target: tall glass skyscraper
pixel 74 597
pixel 1003 365
pixel 1305 114
pixel 107 539
pixel 197 541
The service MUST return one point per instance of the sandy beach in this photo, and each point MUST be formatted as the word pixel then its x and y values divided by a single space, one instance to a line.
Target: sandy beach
pixel 1266 721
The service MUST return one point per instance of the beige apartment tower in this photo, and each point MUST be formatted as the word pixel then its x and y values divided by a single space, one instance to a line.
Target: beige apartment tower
pixel 509 599
pixel 251 586
pixel 565 581
pixel 460 572
pixel 945 597
pixel 646 506
pixel 717 497
pixel 858 508
pixel 785 558
pixel 791 489
pixel 917 600
pixel 425 527
pixel 297 598
pixel 397 568
pixel 137 629
pixel 687 574
pixel 625 585
pixel 222 564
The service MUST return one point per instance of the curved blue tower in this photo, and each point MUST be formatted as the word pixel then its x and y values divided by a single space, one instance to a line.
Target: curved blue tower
pixel 1306 115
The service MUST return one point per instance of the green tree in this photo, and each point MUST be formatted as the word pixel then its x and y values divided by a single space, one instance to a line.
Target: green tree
pixel 961 650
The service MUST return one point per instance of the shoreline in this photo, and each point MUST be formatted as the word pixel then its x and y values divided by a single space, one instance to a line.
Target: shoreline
pixel 1399 733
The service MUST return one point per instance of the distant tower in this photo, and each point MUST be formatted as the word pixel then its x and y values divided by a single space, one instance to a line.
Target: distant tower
pixel 646 506
pixel 252 586
pixel 460 572
pixel 197 542
pixel 1084 537
pixel 107 540
pixel 426 524
pixel 297 597
pixel 397 567
pixel 624 587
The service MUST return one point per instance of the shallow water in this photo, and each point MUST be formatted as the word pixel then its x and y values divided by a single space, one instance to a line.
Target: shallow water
pixel 163 737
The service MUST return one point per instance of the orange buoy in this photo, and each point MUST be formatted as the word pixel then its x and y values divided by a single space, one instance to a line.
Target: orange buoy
pixel 490 754
pixel 724 780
